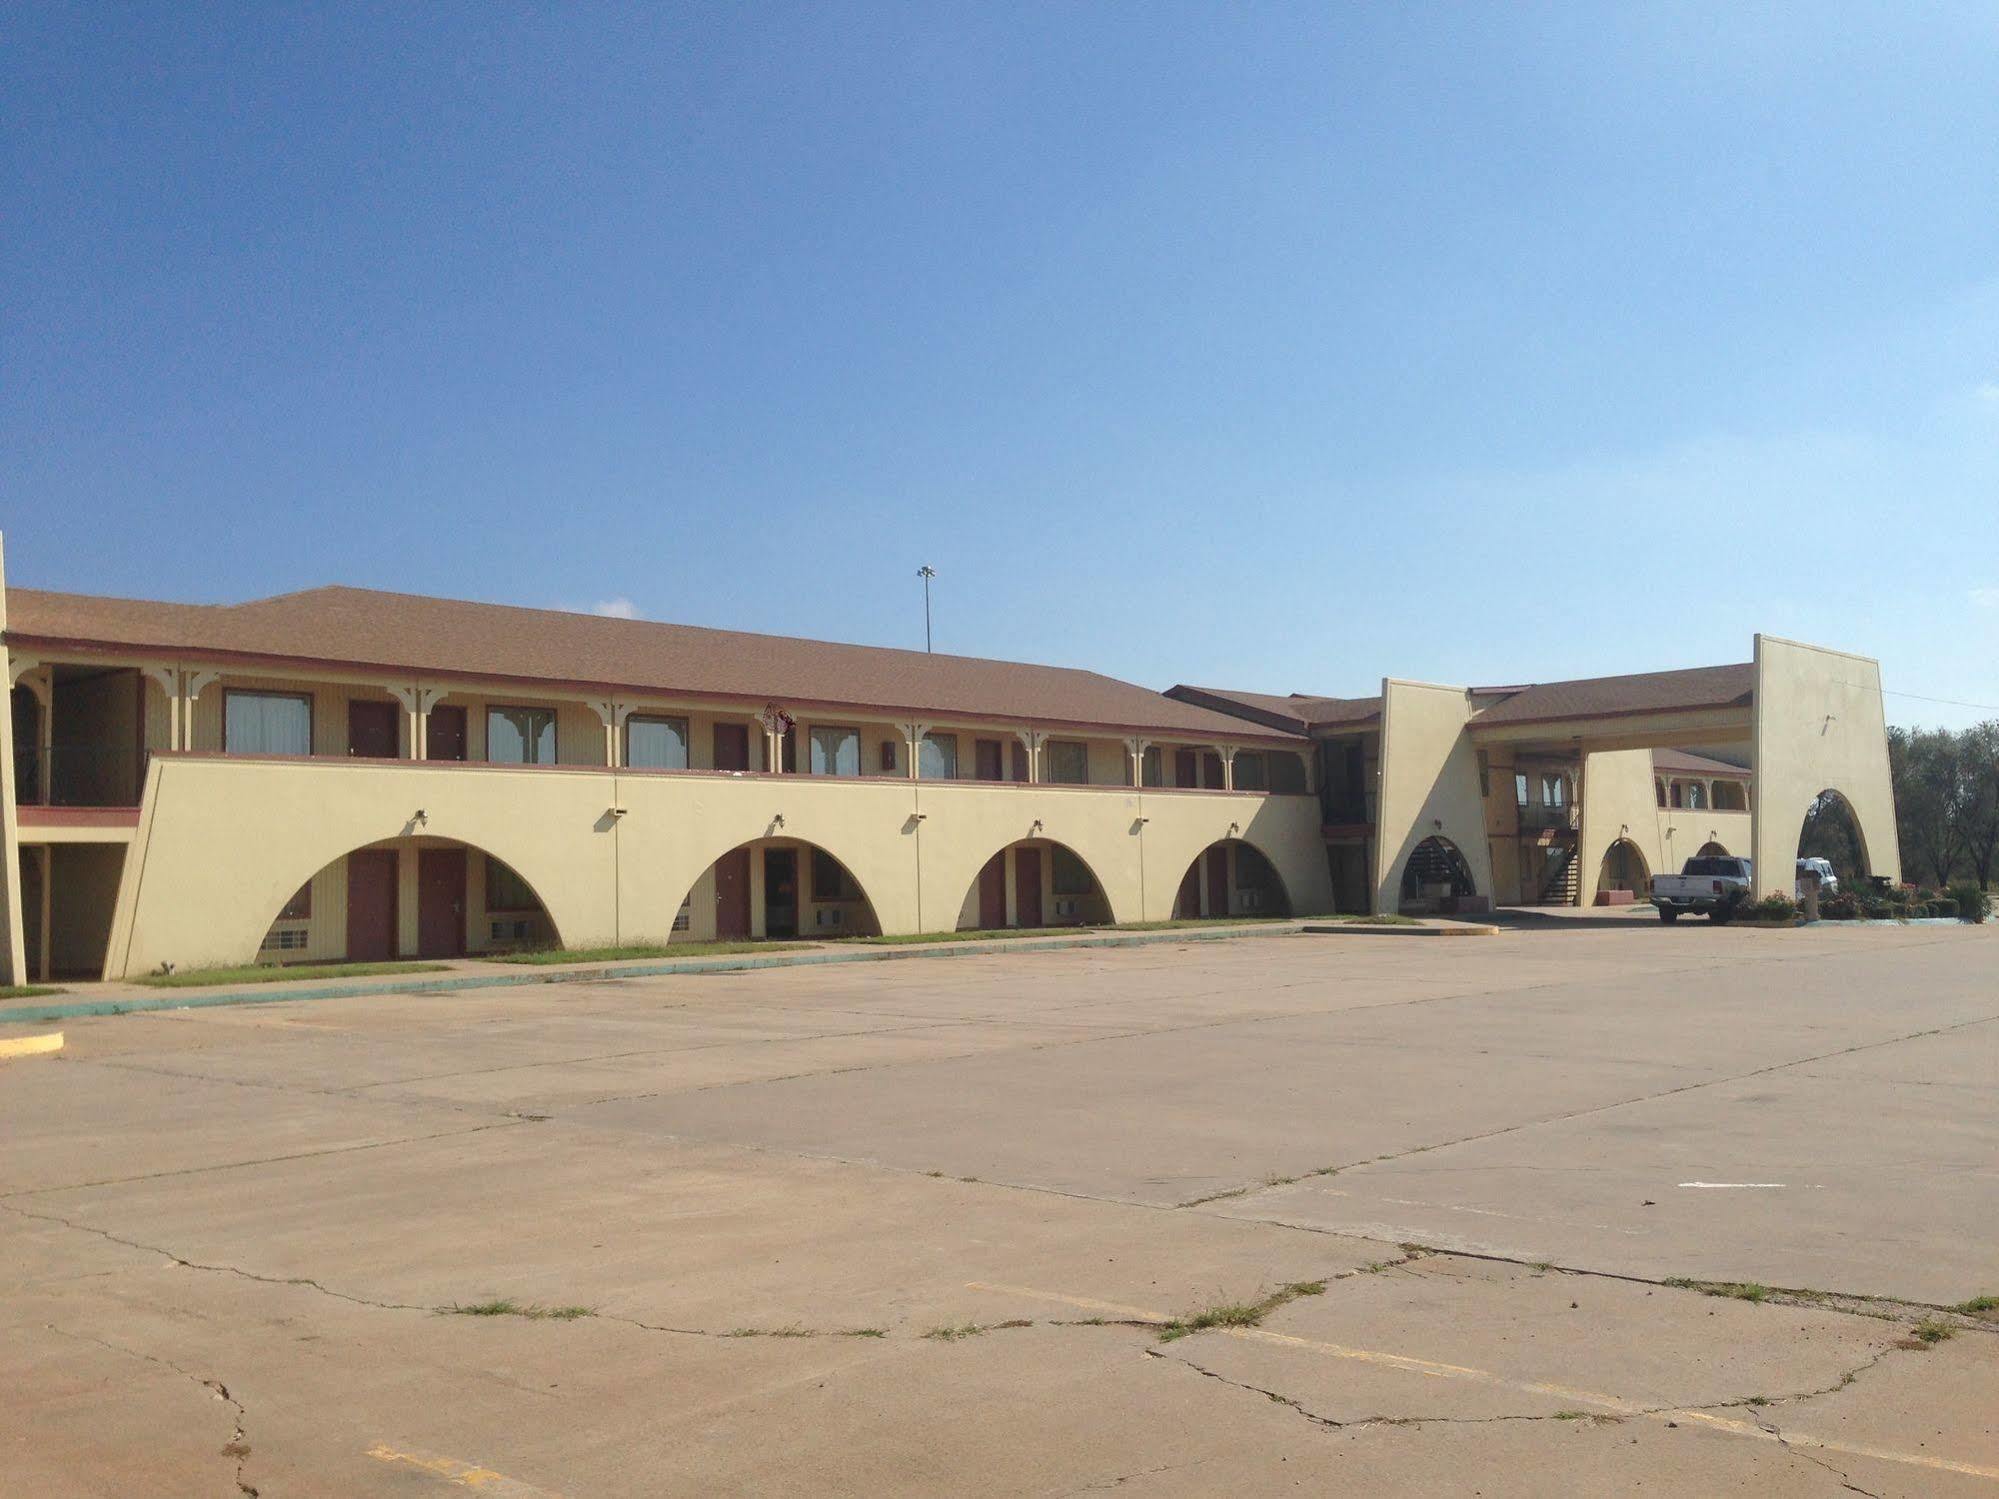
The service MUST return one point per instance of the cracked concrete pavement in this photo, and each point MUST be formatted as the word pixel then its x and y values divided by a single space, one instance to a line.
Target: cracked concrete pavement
pixel 238 1247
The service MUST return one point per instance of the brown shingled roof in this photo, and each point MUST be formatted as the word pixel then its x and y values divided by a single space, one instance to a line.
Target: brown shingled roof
pixel 1684 762
pixel 1295 714
pixel 408 633
pixel 1644 692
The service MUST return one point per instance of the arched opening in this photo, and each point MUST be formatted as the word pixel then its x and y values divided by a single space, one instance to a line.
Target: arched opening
pixel 1435 877
pixel 775 889
pixel 1832 832
pixel 1711 850
pixel 408 898
pixel 1730 796
pixel 1035 882
pixel 1230 878
pixel 1623 876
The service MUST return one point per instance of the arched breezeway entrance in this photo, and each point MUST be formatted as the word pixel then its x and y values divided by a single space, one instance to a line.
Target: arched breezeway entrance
pixel 1622 877
pixel 1230 877
pixel 1711 850
pixel 1831 831
pixel 1034 882
pixel 1435 877
pixel 417 897
pixel 776 889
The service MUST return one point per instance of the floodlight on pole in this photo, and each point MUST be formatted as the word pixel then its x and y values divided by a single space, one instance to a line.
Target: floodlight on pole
pixel 926 573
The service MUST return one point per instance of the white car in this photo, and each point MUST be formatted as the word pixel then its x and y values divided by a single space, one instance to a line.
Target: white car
pixel 1828 881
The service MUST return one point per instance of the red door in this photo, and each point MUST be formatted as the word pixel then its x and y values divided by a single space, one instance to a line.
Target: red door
pixel 732 886
pixel 1188 903
pixel 371 905
pixel 732 752
pixel 986 760
pixel 1027 887
pixel 444 739
pixel 992 893
pixel 371 730
pixel 1184 771
pixel 440 903
pixel 1218 881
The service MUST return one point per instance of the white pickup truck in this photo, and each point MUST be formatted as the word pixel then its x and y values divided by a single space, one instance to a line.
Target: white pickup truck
pixel 1717 885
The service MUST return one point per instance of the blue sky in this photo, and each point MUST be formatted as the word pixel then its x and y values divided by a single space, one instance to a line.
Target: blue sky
pixel 1275 347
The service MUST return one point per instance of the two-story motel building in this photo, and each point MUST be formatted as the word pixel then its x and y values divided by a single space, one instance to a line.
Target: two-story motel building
pixel 348 774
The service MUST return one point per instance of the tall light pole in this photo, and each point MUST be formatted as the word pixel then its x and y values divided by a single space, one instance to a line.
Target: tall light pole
pixel 926 573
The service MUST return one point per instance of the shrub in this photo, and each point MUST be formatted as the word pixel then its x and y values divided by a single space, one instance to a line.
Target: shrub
pixel 1973 904
pixel 1844 906
pixel 1776 906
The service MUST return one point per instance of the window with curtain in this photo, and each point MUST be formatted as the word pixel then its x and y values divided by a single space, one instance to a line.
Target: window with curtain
pixel 830 880
pixel 656 743
pixel 1520 789
pixel 1151 772
pixel 520 736
pixel 1554 791
pixel 266 723
pixel 836 752
pixel 1697 796
pixel 1251 772
pixel 1068 874
pixel 937 757
pixel 507 891
pixel 1066 762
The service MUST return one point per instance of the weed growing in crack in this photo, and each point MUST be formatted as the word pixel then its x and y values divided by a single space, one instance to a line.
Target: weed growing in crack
pixel 1239 1313
pixel 1978 1306
pixel 952 1333
pixel 1595 1418
pixel 1732 1290
pixel 1932 1331
pixel 503 1307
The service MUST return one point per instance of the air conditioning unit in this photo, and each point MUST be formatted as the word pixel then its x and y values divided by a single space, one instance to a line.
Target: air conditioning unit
pixel 1065 907
pixel 832 916
pixel 1252 900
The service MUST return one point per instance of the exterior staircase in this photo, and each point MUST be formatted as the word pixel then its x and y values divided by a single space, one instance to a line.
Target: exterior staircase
pixel 1563 883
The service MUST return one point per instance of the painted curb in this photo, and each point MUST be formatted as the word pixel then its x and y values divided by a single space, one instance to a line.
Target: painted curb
pixel 140 1003
pixel 1361 929
pixel 30 1046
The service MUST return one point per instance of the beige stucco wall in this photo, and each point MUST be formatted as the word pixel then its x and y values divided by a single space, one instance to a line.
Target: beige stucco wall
pixel 223 843
pixel 1819 726
pixel 1429 785
pixel 13 939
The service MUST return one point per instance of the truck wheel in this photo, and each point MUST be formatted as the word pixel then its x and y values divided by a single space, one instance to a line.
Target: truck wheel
pixel 1666 915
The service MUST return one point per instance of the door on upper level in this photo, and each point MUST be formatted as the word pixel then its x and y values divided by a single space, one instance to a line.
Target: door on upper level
pixel 444 739
pixel 371 729
pixel 732 752
pixel 987 761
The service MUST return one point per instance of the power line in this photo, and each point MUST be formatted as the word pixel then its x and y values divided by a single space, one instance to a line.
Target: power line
pixel 1950 702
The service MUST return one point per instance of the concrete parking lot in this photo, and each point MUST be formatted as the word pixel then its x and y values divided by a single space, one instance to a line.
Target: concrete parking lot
pixel 914 1227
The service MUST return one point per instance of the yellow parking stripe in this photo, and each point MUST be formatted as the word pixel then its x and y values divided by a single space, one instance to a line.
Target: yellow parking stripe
pixel 1612 1403
pixel 466 1475
pixel 30 1046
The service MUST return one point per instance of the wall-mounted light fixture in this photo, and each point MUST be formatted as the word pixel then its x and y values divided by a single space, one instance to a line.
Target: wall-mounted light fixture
pixel 618 812
pixel 421 816
pixel 777 820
